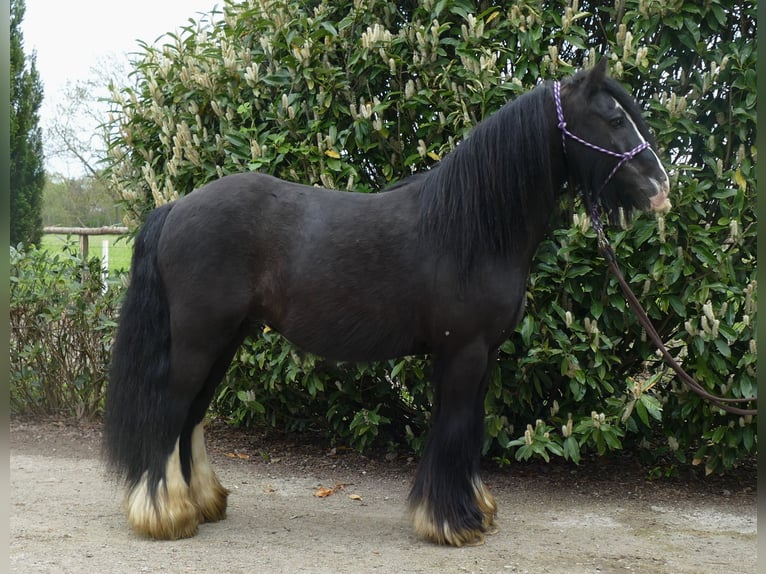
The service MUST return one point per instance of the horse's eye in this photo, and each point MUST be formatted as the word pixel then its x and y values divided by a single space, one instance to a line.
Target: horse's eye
pixel 617 122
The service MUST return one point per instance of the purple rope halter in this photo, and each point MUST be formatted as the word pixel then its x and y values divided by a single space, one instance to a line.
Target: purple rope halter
pixel 595 218
pixel 623 157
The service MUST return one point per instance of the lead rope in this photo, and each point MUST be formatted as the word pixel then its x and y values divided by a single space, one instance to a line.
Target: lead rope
pixel 606 250
pixel 611 259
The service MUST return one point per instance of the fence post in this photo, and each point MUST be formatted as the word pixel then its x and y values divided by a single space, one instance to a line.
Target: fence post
pixel 84 247
pixel 104 264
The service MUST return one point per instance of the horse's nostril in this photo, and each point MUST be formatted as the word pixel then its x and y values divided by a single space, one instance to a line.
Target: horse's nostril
pixel 659 201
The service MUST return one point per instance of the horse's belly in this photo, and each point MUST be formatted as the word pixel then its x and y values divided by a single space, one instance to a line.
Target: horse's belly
pixel 354 341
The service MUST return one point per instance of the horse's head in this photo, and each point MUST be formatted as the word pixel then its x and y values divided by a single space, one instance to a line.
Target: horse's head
pixel 609 150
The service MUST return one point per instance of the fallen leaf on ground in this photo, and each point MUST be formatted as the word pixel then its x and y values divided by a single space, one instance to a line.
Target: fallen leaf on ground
pixel 324 492
pixel 237 455
pixel 354 497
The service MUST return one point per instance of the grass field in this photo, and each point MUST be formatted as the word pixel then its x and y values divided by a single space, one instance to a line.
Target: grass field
pixel 120 248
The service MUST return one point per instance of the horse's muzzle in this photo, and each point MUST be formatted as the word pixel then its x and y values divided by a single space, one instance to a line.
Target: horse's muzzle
pixel 659 202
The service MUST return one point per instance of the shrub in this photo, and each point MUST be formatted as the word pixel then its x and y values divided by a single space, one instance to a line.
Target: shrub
pixel 61 324
pixel 274 384
pixel 355 95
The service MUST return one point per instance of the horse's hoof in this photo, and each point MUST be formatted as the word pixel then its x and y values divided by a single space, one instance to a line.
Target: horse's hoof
pixel 211 501
pixel 486 503
pixel 478 541
pixel 164 511
pixel 182 522
pixel 428 528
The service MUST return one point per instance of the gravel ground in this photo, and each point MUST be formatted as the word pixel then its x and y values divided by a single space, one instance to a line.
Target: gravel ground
pixel 601 517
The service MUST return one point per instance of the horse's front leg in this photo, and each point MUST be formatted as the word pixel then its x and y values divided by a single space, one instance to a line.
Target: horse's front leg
pixel 449 502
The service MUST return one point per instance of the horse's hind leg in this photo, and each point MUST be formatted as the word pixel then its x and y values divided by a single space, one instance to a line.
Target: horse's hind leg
pixel 449 502
pixel 207 492
pixel 173 500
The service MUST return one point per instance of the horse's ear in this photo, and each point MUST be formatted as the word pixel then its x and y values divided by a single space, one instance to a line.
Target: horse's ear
pixel 597 74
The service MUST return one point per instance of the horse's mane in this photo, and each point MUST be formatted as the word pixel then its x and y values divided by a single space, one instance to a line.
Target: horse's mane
pixel 482 198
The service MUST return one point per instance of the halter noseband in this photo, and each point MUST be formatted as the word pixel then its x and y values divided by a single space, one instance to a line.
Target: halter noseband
pixel 623 157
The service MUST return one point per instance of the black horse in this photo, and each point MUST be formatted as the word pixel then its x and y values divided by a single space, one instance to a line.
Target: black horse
pixel 437 264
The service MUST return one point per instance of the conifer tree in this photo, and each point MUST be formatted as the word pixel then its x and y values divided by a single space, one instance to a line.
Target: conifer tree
pixel 27 175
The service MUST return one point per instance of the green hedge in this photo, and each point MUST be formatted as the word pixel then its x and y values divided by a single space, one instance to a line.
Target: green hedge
pixel 356 95
pixel 61 323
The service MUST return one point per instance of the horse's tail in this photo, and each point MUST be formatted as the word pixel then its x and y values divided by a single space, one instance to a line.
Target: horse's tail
pixel 138 432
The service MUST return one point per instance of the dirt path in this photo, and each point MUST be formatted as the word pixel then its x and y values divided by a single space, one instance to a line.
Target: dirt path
pixel 603 517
